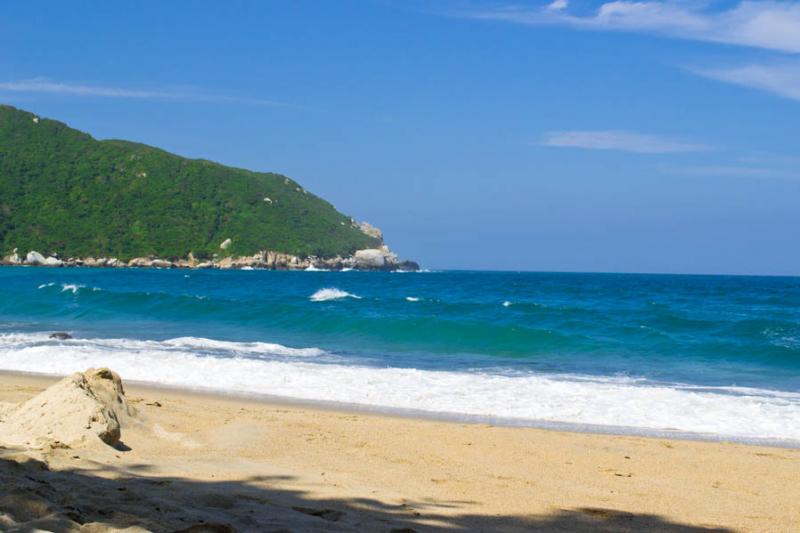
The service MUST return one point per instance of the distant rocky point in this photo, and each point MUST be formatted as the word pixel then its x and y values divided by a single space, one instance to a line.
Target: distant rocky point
pixel 67 199
pixel 376 259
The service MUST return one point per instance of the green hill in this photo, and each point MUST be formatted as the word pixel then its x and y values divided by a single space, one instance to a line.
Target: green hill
pixel 61 191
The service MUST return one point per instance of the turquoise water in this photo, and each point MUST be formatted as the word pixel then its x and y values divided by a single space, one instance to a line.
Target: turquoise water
pixel 712 355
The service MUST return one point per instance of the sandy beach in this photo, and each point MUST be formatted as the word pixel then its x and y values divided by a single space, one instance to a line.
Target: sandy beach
pixel 233 464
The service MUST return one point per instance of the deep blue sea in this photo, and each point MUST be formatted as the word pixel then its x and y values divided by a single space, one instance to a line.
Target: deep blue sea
pixel 713 356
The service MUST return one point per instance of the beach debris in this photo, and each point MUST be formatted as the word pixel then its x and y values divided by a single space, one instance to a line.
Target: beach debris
pixel 60 335
pixel 82 409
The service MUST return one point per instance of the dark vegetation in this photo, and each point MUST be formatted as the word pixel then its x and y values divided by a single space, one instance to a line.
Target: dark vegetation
pixel 64 192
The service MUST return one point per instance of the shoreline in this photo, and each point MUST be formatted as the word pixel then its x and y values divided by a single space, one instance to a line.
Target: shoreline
pixel 432 416
pixel 371 259
pixel 253 464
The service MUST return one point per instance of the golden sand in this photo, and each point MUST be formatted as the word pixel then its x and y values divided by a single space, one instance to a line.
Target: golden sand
pixel 246 465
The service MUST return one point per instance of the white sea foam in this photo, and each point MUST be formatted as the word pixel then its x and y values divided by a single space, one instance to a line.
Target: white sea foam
pixel 74 288
pixel 412 299
pixel 246 348
pixel 262 368
pixel 312 268
pixel 331 293
pixel 66 287
pixel 506 304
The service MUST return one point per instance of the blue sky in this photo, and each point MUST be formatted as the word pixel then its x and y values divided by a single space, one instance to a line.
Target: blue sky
pixel 581 136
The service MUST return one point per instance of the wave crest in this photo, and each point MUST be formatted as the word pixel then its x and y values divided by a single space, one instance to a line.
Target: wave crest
pixel 522 398
pixel 331 293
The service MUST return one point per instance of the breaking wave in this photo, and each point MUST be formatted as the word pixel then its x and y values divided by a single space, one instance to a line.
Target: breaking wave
pixel 332 293
pixel 528 398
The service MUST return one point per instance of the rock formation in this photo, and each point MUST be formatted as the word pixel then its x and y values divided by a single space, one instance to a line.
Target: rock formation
pixel 34 258
pixel 372 231
pixel 369 259
pixel 81 409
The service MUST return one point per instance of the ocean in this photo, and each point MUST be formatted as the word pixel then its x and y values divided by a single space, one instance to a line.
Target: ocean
pixel 715 357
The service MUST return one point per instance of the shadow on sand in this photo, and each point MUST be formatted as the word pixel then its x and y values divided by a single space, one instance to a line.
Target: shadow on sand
pixel 86 500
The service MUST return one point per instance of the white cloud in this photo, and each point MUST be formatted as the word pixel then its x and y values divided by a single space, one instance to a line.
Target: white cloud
pixel 43 85
pixel 772 25
pixel 558 5
pixel 620 140
pixel 781 79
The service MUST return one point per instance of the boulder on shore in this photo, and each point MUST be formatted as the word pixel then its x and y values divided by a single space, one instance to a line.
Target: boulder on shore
pixel 34 258
pixel 375 259
pixel 161 263
pixel 140 262
pixel 12 259
pixel 408 266
pixel 82 409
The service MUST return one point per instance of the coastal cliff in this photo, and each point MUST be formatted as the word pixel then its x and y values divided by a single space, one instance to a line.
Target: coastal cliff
pixel 67 199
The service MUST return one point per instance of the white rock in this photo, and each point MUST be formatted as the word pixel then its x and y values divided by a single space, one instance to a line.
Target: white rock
pixel 14 258
pixel 373 258
pixel 34 258
pixel 138 262
pixel 53 262
pixel 225 244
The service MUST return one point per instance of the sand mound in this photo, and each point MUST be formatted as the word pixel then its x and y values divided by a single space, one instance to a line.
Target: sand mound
pixel 80 409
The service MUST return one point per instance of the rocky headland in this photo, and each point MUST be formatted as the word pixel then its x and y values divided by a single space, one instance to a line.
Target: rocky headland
pixel 374 259
pixel 67 199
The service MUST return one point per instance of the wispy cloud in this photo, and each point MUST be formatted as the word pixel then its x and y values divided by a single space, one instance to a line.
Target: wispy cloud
pixel 44 85
pixel 782 79
pixel 620 140
pixel 773 25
